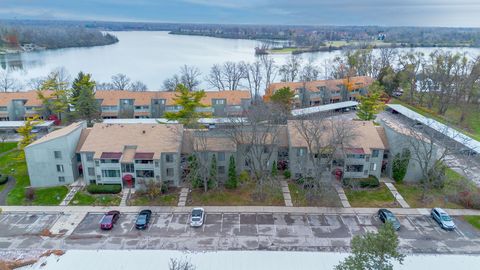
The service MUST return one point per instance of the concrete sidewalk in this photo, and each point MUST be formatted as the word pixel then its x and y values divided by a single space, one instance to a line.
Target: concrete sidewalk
pixel 231 209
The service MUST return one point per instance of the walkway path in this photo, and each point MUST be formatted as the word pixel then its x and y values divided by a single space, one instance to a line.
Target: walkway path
pixel 398 197
pixel 125 194
pixel 74 188
pixel 341 194
pixel 233 209
pixel 286 193
pixel 182 201
pixel 9 186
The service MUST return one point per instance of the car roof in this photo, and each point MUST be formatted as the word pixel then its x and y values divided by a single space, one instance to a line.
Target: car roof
pixel 198 208
pixel 440 210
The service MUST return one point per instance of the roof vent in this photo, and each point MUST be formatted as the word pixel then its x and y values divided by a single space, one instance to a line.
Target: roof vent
pixel 143 132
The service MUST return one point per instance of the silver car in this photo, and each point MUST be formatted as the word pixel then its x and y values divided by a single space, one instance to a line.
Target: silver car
pixel 198 215
pixel 443 219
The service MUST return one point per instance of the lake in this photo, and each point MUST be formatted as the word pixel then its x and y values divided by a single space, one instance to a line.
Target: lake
pixel 148 56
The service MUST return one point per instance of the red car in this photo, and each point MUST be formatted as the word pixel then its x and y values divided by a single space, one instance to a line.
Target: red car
pixel 109 219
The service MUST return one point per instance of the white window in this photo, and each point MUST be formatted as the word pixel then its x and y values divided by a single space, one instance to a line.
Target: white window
pixel 373 166
pixel 57 154
pixel 61 179
pixel 91 171
pixel 89 156
pixel 170 172
pixel 59 168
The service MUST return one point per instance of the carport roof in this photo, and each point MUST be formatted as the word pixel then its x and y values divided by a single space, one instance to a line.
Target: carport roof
pixel 324 108
pixel 453 134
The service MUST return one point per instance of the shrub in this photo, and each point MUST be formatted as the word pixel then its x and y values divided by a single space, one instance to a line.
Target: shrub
pixel 370 182
pixel 3 179
pixel 287 174
pixel 30 193
pixel 400 165
pixel 274 168
pixel 104 189
pixel 244 177
pixel 232 174
pixel 164 188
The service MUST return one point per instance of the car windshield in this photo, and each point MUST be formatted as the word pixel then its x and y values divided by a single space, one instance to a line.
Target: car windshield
pixel 107 219
pixel 196 213
pixel 142 218
pixel 446 218
pixel 196 218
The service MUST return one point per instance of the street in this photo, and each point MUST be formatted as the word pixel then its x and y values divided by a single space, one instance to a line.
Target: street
pixel 234 231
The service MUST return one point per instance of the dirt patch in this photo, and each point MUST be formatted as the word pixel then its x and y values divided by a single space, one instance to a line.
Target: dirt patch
pixel 17 263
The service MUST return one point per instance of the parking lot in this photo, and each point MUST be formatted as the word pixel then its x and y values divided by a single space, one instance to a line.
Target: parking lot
pixel 234 231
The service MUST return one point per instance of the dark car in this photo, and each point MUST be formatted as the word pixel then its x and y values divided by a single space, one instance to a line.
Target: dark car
pixel 443 219
pixel 143 219
pixel 109 219
pixel 387 216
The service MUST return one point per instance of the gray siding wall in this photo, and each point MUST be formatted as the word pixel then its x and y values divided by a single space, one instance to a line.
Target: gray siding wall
pixel 42 164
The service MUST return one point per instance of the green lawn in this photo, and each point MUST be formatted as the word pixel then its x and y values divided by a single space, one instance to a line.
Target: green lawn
pixel 241 196
pixel 376 197
pixel 11 165
pixel 6 146
pixel 473 220
pixel 298 195
pixel 413 195
pixel 163 200
pixel 471 126
pixel 85 198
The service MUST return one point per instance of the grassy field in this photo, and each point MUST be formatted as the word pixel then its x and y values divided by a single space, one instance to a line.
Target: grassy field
pixel 283 50
pixel 377 197
pixel 241 196
pixel 11 165
pixel 473 220
pixel 298 195
pixel 85 198
pixel 471 126
pixel 435 198
pixel 6 146
pixel 168 199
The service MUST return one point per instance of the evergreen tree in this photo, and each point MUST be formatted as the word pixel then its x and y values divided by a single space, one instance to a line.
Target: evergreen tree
pixel 232 181
pixel 373 251
pixel 189 102
pixel 83 98
pixel 371 103
pixel 212 180
pixel 274 168
pixel 192 174
pixel 283 98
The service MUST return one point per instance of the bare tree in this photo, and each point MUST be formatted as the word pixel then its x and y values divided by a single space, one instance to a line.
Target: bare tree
pixel 291 69
pixel 120 81
pixel 325 139
pixel 215 78
pixel 104 86
pixel 178 264
pixel 35 83
pixel 310 71
pixel 269 69
pixel 189 77
pixel 254 78
pixel 137 86
pixel 8 83
pixel 257 137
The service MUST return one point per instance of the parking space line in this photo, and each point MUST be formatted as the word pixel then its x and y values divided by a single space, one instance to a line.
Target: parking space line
pixel 186 223
pixel 434 224
pixel 221 224
pixel 204 222
pixel 239 222
pixel 414 225
pixel 170 222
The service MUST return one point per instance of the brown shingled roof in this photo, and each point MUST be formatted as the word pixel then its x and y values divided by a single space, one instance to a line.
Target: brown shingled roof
pixel 58 133
pixel 154 138
pixel 314 86
pixel 30 96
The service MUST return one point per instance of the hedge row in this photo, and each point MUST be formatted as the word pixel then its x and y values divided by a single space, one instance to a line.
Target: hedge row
pixel 3 179
pixel 370 182
pixel 104 189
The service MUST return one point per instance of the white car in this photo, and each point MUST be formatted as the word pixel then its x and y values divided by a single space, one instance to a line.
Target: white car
pixel 198 215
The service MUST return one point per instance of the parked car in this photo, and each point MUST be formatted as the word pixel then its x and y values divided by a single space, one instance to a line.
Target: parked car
pixel 387 216
pixel 109 219
pixel 143 219
pixel 443 219
pixel 198 215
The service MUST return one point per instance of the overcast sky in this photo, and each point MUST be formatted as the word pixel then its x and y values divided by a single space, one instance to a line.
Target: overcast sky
pixel 316 12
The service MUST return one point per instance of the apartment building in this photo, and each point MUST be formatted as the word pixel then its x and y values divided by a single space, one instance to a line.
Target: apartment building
pixel 361 156
pixel 52 160
pixel 322 92
pixel 18 106
pixel 131 154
